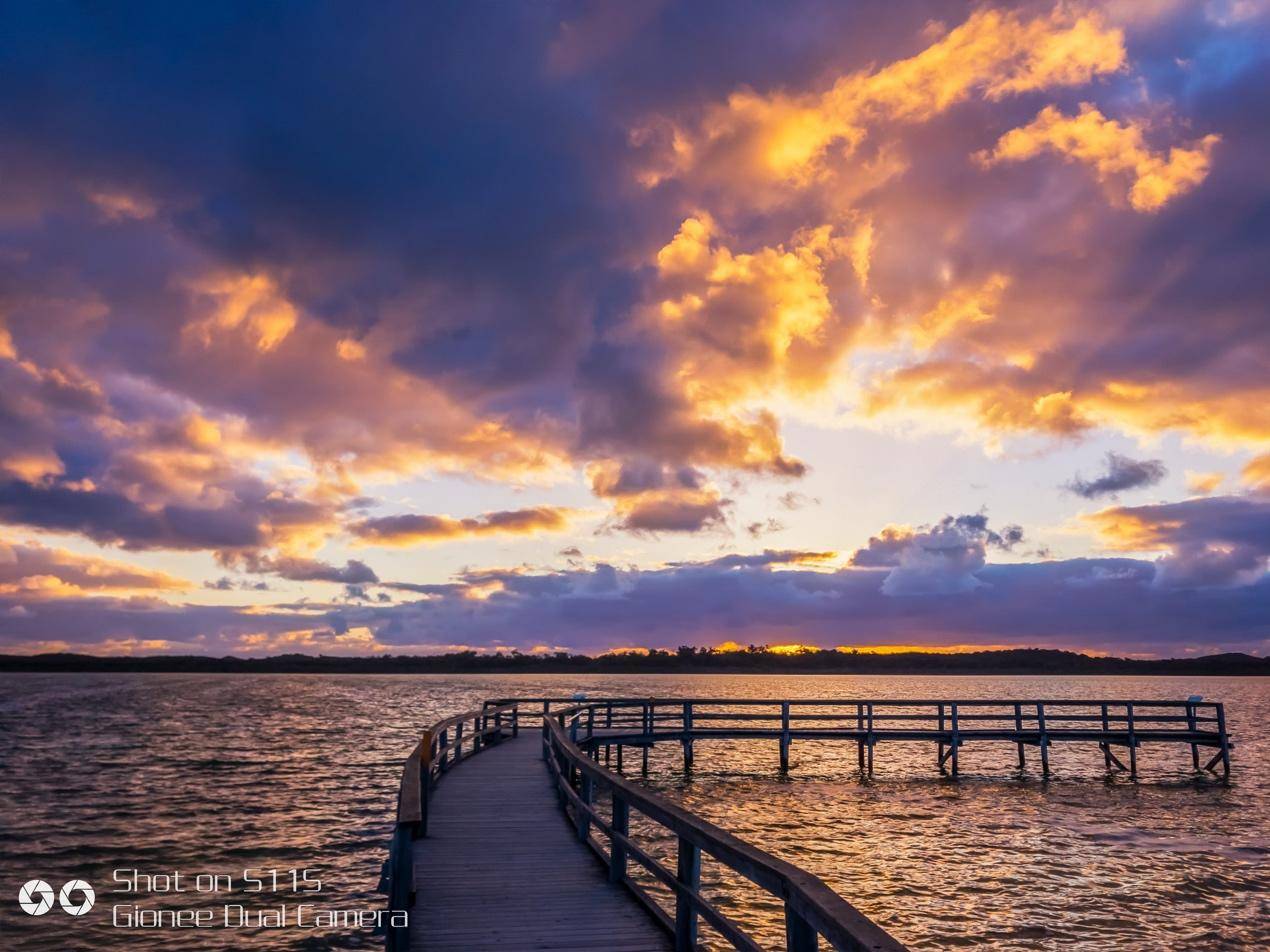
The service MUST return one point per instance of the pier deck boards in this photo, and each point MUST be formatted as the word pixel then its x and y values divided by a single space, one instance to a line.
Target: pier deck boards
pixel 502 869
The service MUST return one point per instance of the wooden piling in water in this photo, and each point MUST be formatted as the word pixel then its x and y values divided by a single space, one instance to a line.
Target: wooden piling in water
pixel 785 737
pixel 1018 727
pixel 687 736
pixel 1133 744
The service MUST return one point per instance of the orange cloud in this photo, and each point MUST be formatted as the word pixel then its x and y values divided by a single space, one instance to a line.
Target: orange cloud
pixel 1116 151
pixel 32 466
pixel 1201 484
pixel 742 324
pixel 117 205
pixel 1257 472
pixel 1001 399
pixel 412 529
pixel 32 570
pixel 354 641
pixel 788 138
pixel 651 497
pixel 1004 397
pixel 961 307
pixel 721 333
pixel 343 402
pixel 249 305
pixel 1124 529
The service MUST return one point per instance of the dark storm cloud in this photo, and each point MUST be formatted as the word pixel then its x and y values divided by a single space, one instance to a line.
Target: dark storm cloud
pixel 455 195
pixel 227 584
pixel 402 238
pixel 253 515
pixel 1213 542
pixel 298 569
pixel 94 622
pixel 766 557
pixel 673 514
pixel 1099 604
pixel 110 518
pixel 1121 473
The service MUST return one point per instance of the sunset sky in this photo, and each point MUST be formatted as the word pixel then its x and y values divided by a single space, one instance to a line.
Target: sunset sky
pixel 406 328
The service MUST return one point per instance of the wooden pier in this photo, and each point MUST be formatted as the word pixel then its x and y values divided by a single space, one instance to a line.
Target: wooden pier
pixel 520 850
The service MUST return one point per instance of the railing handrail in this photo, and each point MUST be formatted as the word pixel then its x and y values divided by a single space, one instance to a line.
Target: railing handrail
pixel 423 757
pixel 809 897
pixel 851 701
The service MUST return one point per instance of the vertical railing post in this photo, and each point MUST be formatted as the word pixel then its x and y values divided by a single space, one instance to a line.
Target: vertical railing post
pixel 478 739
pixel 799 935
pixel 651 715
pixel 1106 738
pixel 1133 743
pixel 457 754
pixel 689 874
pixel 1190 726
pixel 869 713
pixel 617 849
pixel 687 735
pixel 939 759
pixel 425 780
pixel 1043 738
pixel 401 886
pixel 546 740
pixel 956 740
pixel 587 795
pixel 445 742
pixel 608 726
pixel 784 737
pixel 515 720
pixel 1018 731
pixel 859 726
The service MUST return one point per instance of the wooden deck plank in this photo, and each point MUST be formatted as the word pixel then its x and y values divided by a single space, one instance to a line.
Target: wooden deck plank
pixel 501 868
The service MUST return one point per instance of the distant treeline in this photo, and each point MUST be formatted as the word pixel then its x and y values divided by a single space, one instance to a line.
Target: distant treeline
pixel 687 660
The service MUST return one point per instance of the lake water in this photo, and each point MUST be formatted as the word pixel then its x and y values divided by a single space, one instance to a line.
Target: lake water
pixel 223 774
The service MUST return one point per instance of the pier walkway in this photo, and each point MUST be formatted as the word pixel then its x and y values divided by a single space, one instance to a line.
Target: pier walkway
pixel 532 845
pixel 502 869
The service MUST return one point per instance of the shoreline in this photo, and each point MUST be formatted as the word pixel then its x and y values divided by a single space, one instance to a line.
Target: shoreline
pixel 1022 662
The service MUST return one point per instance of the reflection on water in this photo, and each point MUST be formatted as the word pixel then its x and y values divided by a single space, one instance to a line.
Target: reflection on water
pixel 217 773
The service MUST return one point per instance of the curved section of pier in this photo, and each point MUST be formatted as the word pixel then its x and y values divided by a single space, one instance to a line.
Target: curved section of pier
pixel 501 868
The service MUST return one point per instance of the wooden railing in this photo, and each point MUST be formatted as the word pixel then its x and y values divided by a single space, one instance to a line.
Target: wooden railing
pixel 443 745
pixel 812 909
pixel 949 724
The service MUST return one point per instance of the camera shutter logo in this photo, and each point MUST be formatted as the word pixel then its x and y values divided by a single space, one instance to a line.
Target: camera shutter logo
pixel 35 897
pixel 88 897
